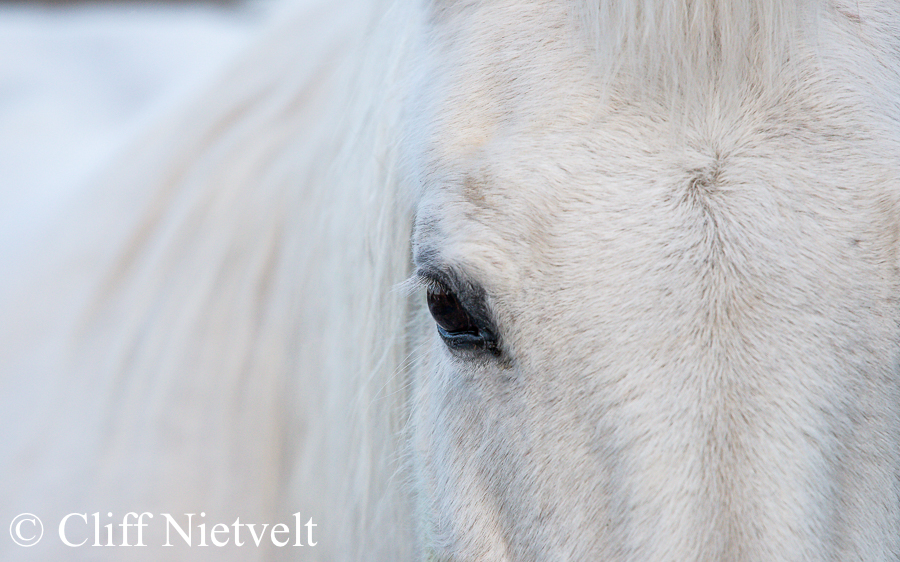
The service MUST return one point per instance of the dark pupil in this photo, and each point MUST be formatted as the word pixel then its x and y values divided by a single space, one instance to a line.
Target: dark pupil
pixel 449 313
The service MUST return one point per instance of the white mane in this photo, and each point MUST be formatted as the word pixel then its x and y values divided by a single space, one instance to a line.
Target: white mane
pixel 215 352
pixel 686 47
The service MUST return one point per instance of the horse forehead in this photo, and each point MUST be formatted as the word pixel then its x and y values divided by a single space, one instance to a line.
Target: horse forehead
pixel 520 132
pixel 614 201
pixel 525 152
pixel 529 190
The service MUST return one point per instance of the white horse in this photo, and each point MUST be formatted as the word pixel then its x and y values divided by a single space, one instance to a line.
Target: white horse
pixel 658 242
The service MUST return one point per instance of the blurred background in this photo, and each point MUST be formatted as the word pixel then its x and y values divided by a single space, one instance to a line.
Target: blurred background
pixel 80 79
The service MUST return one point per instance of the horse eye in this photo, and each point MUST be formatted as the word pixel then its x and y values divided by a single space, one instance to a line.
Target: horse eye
pixel 456 326
pixel 449 313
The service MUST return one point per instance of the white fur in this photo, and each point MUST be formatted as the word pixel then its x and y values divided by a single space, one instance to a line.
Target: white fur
pixel 683 215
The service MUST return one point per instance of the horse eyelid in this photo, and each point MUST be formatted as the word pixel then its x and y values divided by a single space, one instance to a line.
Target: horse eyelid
pixel 470 294
pixel 436 279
